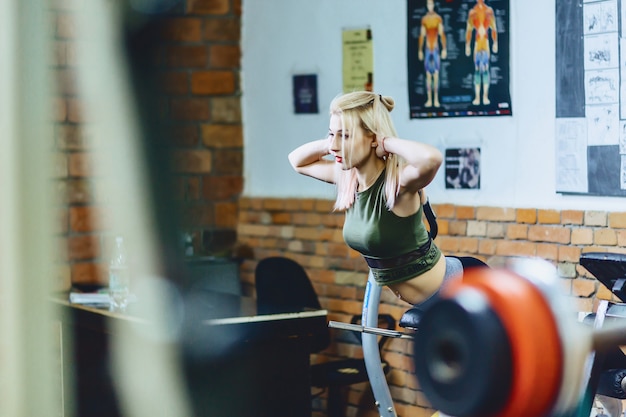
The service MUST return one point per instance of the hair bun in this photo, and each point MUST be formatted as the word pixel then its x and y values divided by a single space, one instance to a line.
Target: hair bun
pixel 388 102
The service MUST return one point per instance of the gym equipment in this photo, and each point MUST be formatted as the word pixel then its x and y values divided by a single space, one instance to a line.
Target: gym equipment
pixel 539 361
pixel 508 343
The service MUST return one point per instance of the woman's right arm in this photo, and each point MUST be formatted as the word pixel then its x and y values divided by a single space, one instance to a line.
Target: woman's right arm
pixel 308 159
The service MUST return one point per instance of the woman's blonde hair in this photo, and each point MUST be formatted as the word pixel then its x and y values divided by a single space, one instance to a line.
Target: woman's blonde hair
pixel 372 112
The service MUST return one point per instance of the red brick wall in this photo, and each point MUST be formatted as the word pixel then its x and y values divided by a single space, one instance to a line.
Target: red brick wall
pixel 308 231
pixel 197 60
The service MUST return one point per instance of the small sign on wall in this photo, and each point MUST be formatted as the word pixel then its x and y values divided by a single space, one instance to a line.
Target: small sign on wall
pixel 463 168
pixel 305 93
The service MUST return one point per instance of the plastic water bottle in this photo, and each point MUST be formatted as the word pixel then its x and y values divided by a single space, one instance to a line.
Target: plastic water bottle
pixel 119 278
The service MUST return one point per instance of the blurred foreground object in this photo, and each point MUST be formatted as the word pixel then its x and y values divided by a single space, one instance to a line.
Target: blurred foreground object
pixel 507 343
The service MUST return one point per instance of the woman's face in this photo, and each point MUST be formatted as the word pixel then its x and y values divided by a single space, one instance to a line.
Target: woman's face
pixel 351 146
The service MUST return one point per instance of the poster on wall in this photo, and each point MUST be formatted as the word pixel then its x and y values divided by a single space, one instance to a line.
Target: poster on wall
pixel 590 136
pixel 462 167
pixel 305 93
pixel 358 60
pixel 458 58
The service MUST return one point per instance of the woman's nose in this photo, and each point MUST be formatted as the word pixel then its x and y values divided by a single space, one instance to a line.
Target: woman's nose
pixel 334 145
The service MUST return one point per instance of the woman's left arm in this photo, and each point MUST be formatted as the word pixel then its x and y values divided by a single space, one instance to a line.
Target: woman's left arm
pixel 423 161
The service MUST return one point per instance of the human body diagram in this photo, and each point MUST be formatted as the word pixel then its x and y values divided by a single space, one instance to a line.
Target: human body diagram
pixel 481 26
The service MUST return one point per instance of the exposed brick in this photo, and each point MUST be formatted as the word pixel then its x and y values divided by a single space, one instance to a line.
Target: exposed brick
pixel 526 216
pixel 197 215
pixel 487 246
pixel 458 228
pixel 190 109
pixel 83 247
pixel 225 214
pixel 228 162
pixel 225 56
pixel 475 228
pixel 186 56
pixel 221 188
pixel 221 30
pixel 280 218
pixel 515 248
pixel 617 220
pixel 80 164
pixel 604 293
pixel 184 29
pixel 85 219
pixel 88 273
pixel 595 218
pixel 468 245
pixel 76 110
pixel 72 191
pixel 183 135
pixel 583 287
pixel 212 82
pixel 495 214
pixel 67 81
pixel 549 216
pixel 66 26
pixel 465 213
pixel 444 226
pixel 326 206
pixel 192 161
pixel 189 188
pixel 226 109
pixel 572 217
pixel 448 244
pixel 568 253
pixel 554 234
pixel 70 137
pixel 444 211
pixel 495 230
pixel 547 251
pixel 217 7
pixel 222 136
pixel 582 236
pixel 605 237
pixel 175 82
pixel 516 231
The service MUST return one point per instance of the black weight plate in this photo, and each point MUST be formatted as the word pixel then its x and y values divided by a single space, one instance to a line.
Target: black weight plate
pixel 463 357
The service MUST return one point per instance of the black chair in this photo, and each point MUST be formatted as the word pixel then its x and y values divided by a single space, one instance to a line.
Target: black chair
pixel 283 286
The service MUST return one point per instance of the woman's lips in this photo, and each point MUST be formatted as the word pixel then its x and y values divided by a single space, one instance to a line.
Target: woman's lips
pixel 338 159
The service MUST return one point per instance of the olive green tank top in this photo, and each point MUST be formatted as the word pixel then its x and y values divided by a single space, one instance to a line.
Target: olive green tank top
pixel 376 232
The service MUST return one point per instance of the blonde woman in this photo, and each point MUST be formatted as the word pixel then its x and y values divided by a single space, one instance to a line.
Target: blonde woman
pixel 379 179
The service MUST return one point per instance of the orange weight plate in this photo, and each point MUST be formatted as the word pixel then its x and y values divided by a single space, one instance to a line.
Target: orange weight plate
pixel 533 333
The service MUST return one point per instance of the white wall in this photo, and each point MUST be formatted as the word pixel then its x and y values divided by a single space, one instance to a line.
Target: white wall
pixel 281 38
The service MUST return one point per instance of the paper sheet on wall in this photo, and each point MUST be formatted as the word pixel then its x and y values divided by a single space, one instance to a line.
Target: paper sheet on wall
pixel 358 60
pixel 571 152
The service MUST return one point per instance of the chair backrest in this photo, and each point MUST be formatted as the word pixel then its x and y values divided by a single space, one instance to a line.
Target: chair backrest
pixel 283 286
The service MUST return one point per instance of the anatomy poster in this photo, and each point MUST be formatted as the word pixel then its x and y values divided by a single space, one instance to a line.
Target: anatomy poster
pixel 458 58
pixel 591 97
